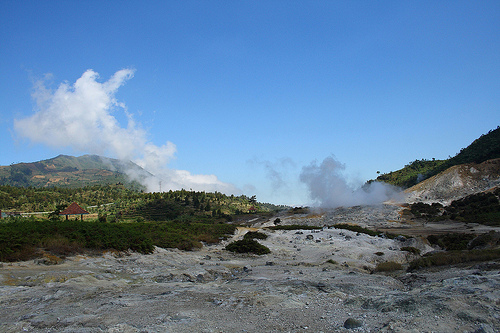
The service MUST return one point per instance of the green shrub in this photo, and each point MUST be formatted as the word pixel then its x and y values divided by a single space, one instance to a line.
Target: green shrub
pixel 331 261
pixel 357 228
pixel 379 253
pixel 453 258
pixel 295 227
pixel 255 235
pixel 388 266
pixel 451 242
pixel 490 239
pixel 247 246
pixel 411 249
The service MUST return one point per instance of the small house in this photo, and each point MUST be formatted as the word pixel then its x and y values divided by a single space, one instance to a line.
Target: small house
pixel 74 209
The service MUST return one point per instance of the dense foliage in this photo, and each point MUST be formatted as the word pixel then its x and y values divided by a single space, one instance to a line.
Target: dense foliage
pixel 255 235
pixel 31 199
pixel 26 238
pixel 483 208
pixel 451 241
pixel 454 257
pixel 120 202
pixel 247 245
pixel 123 219
pixel 411 174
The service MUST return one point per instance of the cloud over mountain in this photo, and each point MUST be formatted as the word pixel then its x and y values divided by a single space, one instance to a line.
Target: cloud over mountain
pixel 80 116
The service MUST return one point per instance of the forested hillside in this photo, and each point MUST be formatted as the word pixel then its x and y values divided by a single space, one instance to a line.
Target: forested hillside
pixel 122 219
pixel 120 202
pixel 482 149
pixel 411 174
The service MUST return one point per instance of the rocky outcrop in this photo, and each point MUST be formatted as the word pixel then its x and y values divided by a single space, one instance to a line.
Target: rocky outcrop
pixel 457 182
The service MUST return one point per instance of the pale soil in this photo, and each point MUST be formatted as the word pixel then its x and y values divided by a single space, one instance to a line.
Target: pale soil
pixel 293 289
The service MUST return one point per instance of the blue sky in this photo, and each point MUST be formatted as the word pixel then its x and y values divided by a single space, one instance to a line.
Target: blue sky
pixel 243 95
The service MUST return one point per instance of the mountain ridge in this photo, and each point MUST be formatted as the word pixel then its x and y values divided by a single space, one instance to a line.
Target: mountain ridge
pixel 484 148
pixel 71 171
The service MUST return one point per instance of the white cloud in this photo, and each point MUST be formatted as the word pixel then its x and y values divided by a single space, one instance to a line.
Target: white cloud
pixel 80 116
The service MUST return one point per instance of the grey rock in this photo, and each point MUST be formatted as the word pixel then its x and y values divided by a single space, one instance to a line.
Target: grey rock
pixel 351 323
pixel 400 238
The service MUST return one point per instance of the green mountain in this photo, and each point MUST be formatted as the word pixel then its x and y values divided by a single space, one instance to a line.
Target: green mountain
pixel 484 148
pixel 72 172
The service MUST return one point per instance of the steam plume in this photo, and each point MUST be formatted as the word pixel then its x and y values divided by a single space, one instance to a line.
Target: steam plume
pixel 80 116
pixel 329 188
pixel 275 171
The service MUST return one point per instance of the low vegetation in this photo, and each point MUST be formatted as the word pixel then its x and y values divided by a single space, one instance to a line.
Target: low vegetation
pixel 451 241
pixel 27 238
pixel 247 245
pixel 483 208
pixel 411 249
pixel 356 228
pixel 388 266
pixel 361 230
pixel 454 257
pixel 459 249
pixel 295 227
pixel 255 235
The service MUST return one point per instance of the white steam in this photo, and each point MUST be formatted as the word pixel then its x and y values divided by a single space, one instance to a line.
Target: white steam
pixel 328 187
pixel 80 116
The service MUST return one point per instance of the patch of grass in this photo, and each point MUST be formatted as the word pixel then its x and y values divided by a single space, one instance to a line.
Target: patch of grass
pixel 453 258
pixel 379 253
pixel 248 246
pixel 411 249
pixel 295 227
pixel 255 235
pixel 331 261
pixel 388 266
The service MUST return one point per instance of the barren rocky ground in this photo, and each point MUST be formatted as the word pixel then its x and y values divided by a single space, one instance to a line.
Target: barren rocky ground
pixel 457 182
pixel 312 281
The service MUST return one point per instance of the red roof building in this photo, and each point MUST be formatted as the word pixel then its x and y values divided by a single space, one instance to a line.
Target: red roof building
pixel 74 209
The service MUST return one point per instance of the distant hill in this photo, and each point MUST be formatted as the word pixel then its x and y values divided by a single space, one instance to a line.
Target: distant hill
pixel 70 171
pixel 484 148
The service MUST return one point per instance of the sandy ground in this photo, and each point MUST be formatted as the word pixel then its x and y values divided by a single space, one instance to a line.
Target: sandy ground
pixel 312 281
